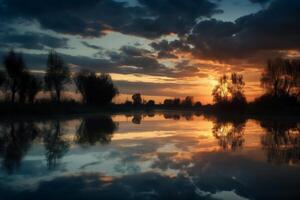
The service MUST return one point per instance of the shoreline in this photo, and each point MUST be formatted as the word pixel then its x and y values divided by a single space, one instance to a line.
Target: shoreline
pixel 75 110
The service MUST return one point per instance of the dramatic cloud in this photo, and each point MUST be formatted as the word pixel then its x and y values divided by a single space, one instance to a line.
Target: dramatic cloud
pixel 168 49
pixel 166 38
pixel 92 18
pixel 273 29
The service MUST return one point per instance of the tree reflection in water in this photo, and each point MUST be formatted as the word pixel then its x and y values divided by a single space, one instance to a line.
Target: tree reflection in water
pixel 15 141
pixel 56 146
pixel 281 141
pixel 229 133
pixel 137 119
pixel 93 130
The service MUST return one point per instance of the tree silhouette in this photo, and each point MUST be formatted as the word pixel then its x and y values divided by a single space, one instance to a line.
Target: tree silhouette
pixel 220 92
pixel 34 87
pixel 23 86
pixel 188 101
pixel 230 90
pixel 236 88
pixel 94 130
pixel 172 102
pixel 29 87
pixel 57 75
pixel 2 78
pixel 95 89
pixel 14 66
pixel 137 99
pixel 282 77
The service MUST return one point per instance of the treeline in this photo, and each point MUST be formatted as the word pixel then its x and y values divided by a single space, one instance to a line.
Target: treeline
pixel 18 84
pixel 187 102
pixel 280 80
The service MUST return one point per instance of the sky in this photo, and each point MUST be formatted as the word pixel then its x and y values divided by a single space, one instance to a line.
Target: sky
pixel 159 48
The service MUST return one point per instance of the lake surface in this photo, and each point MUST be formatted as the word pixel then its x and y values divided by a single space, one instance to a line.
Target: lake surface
pixel 150 156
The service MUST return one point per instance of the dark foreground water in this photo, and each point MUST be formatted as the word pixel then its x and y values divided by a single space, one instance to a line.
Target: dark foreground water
pixel 162 156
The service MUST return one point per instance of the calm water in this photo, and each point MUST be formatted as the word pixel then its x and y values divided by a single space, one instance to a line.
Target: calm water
pixel 161 156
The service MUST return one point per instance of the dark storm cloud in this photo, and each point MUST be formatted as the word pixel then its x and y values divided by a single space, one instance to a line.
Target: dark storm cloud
pixel 275 28
pixel 165 45
pixel 86 18
pixel 169 16
pixel 127 60
pixel 165 54
pixel 142 60
pixel 32 40
pixel 136 60
pixel 168 49
pixel 91 18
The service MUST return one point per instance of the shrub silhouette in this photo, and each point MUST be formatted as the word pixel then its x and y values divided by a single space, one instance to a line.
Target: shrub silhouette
pixel 150 103
pixel 137 99
pixel 95 89
pixel 57 75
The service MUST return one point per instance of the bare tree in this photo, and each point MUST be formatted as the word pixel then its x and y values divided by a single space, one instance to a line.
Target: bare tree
pixel 57 75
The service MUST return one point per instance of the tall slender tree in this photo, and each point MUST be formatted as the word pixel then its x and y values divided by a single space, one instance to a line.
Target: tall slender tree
pixel 2 78
pixel 220 92
pixel 14 66
pixel 35 86
pixel 236 88
pixel 57 75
